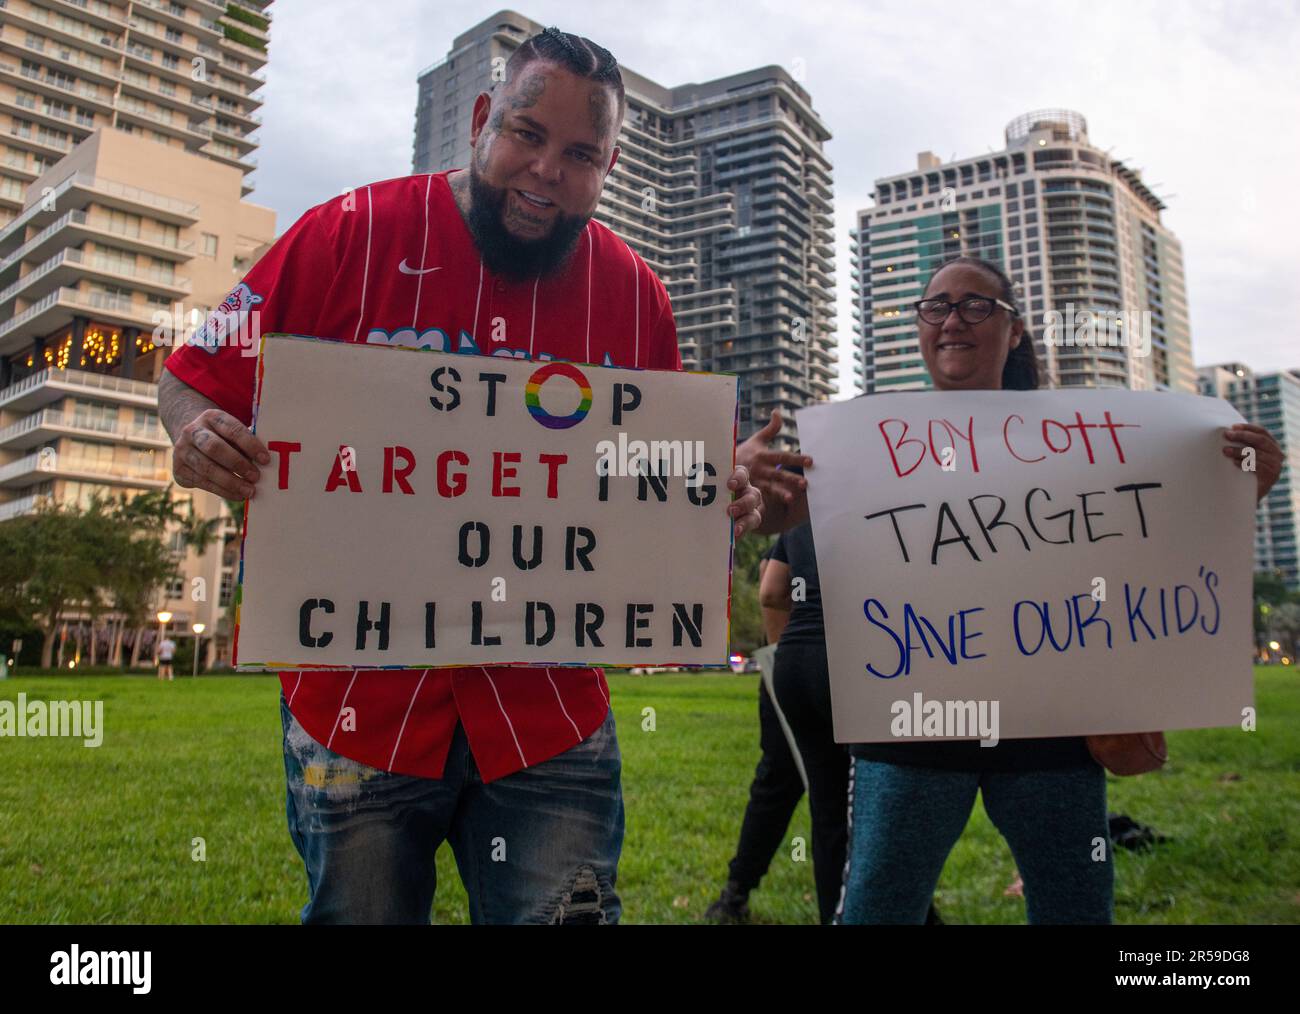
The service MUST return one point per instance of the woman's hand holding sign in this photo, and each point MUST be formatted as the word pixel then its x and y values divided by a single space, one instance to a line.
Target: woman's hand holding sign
pixel 785 491
pixel 1254 445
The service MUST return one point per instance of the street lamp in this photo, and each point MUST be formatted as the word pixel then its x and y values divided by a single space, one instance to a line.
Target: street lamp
pixel 164 618
pixel 198 629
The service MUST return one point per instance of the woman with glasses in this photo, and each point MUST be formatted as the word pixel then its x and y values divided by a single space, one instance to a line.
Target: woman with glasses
pixel 909 802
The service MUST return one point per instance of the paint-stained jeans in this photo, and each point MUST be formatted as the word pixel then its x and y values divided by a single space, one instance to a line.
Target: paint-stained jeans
pixel 538 846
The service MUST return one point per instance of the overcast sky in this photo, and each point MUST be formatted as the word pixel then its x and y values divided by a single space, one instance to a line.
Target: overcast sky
pixel 1202 95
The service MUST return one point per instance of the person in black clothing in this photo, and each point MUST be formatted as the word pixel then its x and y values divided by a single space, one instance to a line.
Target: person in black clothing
pixel 803 692
pixel 792 617
pixel 773 795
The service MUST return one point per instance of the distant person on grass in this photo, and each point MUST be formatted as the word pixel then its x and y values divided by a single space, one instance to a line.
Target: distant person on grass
pixel 166 652
pixel 522 756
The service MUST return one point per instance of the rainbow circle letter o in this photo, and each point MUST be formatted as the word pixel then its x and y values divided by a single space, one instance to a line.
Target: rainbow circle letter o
pixel 534 387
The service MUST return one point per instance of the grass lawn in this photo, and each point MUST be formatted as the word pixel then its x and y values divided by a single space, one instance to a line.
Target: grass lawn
pixel 104 835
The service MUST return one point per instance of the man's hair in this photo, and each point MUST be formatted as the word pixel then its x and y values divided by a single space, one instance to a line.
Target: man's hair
pixel 1021 372
pixel 574 53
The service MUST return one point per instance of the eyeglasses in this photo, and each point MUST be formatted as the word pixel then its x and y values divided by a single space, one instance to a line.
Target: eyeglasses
pixel 972 309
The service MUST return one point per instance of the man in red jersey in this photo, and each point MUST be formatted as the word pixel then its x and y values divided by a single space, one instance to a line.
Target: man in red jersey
pixel 518 767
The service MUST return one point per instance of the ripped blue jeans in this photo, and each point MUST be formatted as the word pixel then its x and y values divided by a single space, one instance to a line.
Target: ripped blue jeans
pixel 537 846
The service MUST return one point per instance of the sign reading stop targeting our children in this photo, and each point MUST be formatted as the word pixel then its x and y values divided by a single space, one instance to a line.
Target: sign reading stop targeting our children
pixel 427 509
pixel 1082 558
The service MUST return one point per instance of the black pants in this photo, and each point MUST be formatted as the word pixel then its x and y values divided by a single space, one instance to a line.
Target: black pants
pixel 803 690
pixel 773 795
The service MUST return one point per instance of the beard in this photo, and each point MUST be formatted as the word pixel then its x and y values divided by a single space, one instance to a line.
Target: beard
pixel 504 254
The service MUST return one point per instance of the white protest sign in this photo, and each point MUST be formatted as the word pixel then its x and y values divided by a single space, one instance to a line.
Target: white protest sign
pixel 1081 558
pixel 426 509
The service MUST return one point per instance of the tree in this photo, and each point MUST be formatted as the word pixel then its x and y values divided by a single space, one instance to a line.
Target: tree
pixel 55 568
pixel 199 533
pixel 1285 625
pixel 101 540
pixel 1270 593
pixel 108 558
pixel 143 563
pixel 228 614
pixel 17 564
pixel 746 614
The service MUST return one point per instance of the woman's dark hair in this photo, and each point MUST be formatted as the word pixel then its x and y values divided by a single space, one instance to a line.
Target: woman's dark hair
pixel 1021 371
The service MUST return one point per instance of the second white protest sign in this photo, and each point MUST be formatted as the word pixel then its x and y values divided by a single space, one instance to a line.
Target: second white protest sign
pixel 1081 558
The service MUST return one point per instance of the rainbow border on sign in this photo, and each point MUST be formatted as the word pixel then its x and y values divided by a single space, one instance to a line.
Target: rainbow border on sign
pixel 534 404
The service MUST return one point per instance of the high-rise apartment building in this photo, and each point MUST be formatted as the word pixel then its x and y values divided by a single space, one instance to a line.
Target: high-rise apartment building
pixel 1077 231
pixel 722 187
pixel 184 73
pixel 1271 400
pixel 120 231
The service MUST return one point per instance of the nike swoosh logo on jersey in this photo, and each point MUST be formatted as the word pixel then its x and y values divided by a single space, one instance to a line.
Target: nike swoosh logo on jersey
pixel 406 269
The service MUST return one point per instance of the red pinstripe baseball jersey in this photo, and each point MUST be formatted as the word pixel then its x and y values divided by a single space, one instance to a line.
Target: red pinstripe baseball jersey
pixel 394 263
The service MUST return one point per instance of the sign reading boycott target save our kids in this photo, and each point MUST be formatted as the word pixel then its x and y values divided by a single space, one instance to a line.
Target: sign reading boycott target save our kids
pixel 1080 560
pixel 427 509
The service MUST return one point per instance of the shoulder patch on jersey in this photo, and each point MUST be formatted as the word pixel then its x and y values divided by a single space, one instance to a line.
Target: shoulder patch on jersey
pixel 234 321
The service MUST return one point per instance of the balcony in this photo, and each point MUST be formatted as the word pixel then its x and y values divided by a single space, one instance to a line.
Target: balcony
pixel 174 121
pixel 42 140
pixel 177 17
pixel 163 64
pixel 100 41
pixel 100 14
pixel 57 310
pixel 28 77
pixel 259 9
pixel 49 424
pixel 248 78
pixel 225 108
pixel 166 40
pixel 74 227
pixel 230 87
pixel 68 267
pixel 48 114
pixel 50 385
pixel 232 134
pixel 87 63
pixel 248 165
pixel 16 163
pixel 23 505
pixel 42 467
